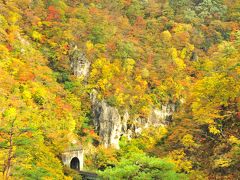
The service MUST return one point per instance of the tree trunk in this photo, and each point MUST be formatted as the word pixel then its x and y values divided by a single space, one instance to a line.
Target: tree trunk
pixel 8 162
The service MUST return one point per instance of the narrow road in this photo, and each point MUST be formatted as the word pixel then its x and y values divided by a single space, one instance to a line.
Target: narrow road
pixel 88 175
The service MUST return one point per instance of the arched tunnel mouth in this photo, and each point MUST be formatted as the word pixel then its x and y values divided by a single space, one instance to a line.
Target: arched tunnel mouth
pixel 75 163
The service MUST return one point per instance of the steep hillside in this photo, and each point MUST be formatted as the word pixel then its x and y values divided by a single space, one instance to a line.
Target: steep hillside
pixel 154 78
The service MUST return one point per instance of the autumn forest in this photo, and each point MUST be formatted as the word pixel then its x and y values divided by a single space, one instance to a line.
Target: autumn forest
pixel 147 89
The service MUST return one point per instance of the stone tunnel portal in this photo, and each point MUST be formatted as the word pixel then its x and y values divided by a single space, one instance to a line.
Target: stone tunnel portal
pixel 73 158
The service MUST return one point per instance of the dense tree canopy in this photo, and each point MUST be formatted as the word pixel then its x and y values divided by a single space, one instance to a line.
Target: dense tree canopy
pixel 143 54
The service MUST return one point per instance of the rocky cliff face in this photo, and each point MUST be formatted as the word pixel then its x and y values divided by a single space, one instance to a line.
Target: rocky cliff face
pixel 79 63
pixel 157 117
pixel 108 122
pixel 111 125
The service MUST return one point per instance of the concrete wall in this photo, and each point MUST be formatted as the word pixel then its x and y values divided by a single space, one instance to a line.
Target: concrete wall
pixel 68 156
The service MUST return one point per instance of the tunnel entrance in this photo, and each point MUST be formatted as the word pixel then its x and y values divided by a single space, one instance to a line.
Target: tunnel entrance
pixel 75 164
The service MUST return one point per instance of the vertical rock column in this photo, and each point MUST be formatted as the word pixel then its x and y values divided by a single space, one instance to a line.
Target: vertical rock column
pixel 108 122
pixel 79 63
pixel 110 125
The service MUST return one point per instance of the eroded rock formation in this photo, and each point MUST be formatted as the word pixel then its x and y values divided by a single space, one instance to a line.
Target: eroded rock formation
pixel 108 122
pixel 79 63
pixel 111 125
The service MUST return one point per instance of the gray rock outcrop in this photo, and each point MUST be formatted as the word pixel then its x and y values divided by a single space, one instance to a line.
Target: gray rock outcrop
pixel 108 123
pixel 156 118
pixel 111 125
pixel 79 63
